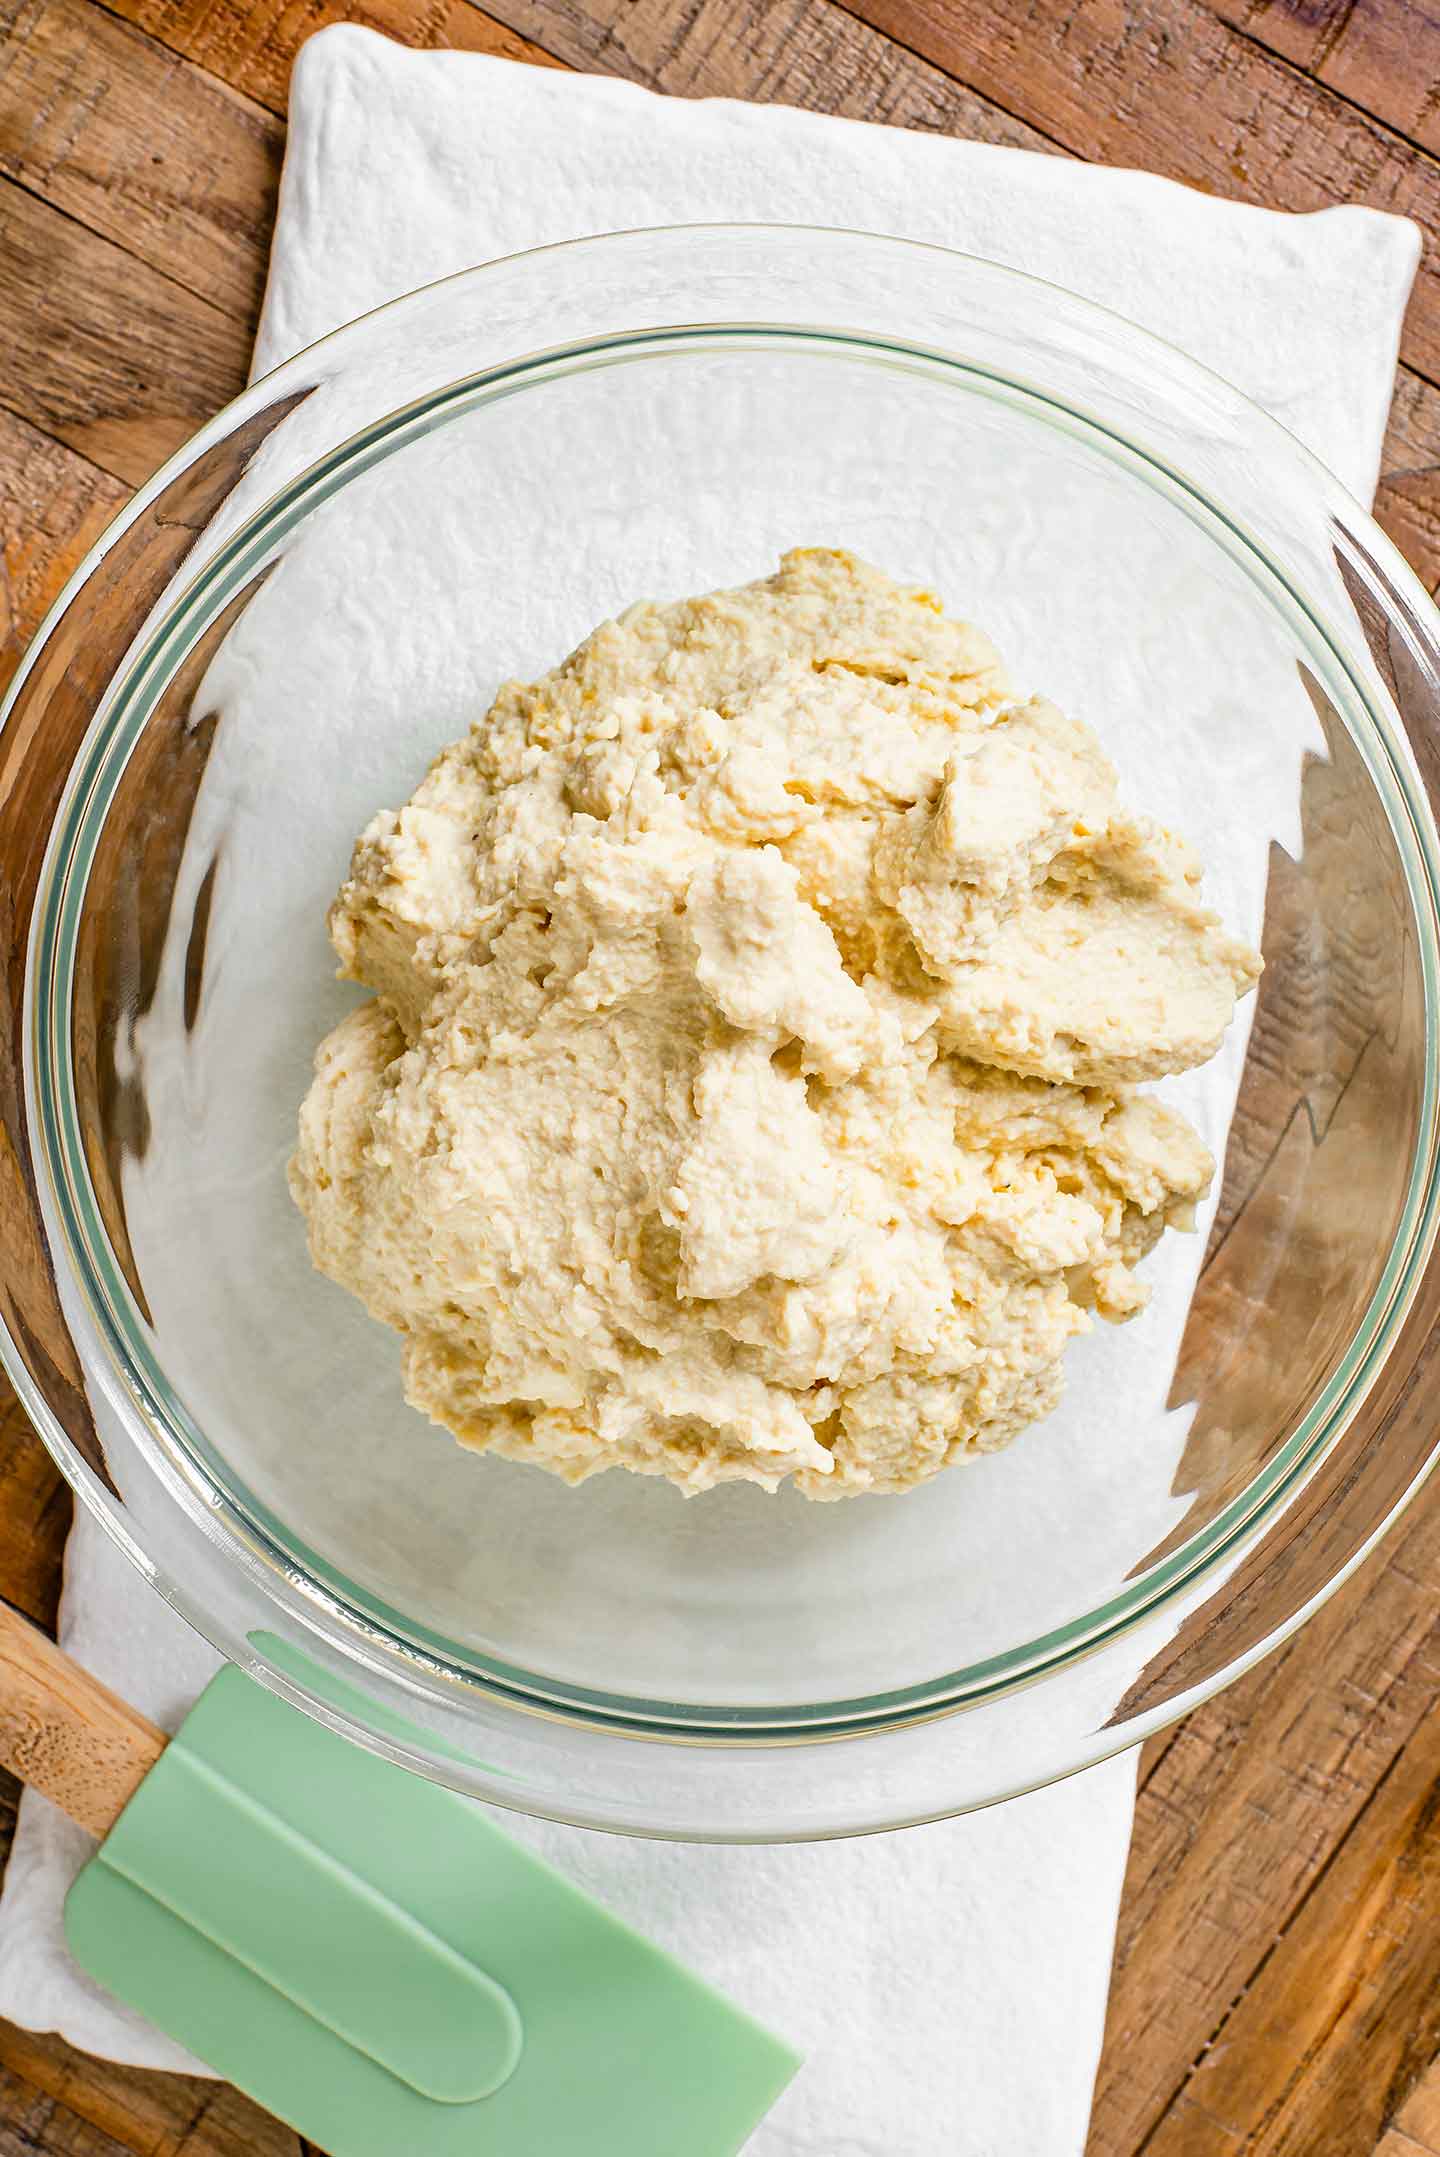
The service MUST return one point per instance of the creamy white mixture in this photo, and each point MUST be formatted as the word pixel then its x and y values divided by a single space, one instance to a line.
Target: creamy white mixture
pixel 750 1086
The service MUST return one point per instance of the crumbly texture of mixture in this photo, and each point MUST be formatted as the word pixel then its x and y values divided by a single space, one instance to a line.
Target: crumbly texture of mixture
pixel 751 1082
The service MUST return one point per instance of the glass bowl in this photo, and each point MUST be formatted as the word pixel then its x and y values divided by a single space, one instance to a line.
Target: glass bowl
pixel 271 642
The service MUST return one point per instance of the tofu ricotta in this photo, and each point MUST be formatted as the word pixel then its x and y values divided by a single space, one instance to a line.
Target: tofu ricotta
pixel 751 1083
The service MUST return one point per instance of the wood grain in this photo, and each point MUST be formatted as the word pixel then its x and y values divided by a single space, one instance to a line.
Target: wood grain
pixel 1242 1810
pixel 194 197
pixel 1418 2119
pixel 1356 1975
pixel 1381 54
pixel 102 352
pixel 53 507
pixel 152 2115
pixel 254 47
pixel 32 2124
pixel 36 1510
pixel 137 144
pixel 65 1734
pixel 1408 501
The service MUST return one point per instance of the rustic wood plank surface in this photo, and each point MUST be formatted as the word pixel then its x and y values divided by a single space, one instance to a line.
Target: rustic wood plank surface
pixel 1277 1981
pixel 1383 55
pixel 123 2109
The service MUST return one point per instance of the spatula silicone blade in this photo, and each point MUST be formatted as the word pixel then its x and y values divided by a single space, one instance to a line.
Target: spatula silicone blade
pixel 361 1951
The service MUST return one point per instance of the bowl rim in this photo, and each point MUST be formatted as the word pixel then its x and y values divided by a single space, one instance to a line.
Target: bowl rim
pixel 47 1028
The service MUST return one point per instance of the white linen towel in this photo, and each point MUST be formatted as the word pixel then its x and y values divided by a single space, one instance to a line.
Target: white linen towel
pixel 964 1966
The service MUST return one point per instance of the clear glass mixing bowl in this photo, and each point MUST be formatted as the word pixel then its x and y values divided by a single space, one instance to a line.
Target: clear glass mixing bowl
pixel 270 643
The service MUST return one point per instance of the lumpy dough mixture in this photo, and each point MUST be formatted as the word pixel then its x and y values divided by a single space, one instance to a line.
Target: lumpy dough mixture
pixel 751 1081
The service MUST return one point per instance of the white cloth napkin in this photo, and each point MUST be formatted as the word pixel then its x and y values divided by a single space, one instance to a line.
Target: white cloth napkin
pixel 947 1985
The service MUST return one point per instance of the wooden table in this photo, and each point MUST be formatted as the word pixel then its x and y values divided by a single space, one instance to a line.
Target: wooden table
pixel 1277 1982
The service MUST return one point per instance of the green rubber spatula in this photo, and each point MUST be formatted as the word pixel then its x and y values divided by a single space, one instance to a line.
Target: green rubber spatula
pixel 362 1952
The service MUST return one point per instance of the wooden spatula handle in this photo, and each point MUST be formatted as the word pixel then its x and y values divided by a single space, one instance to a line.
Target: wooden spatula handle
pixel 65 1733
